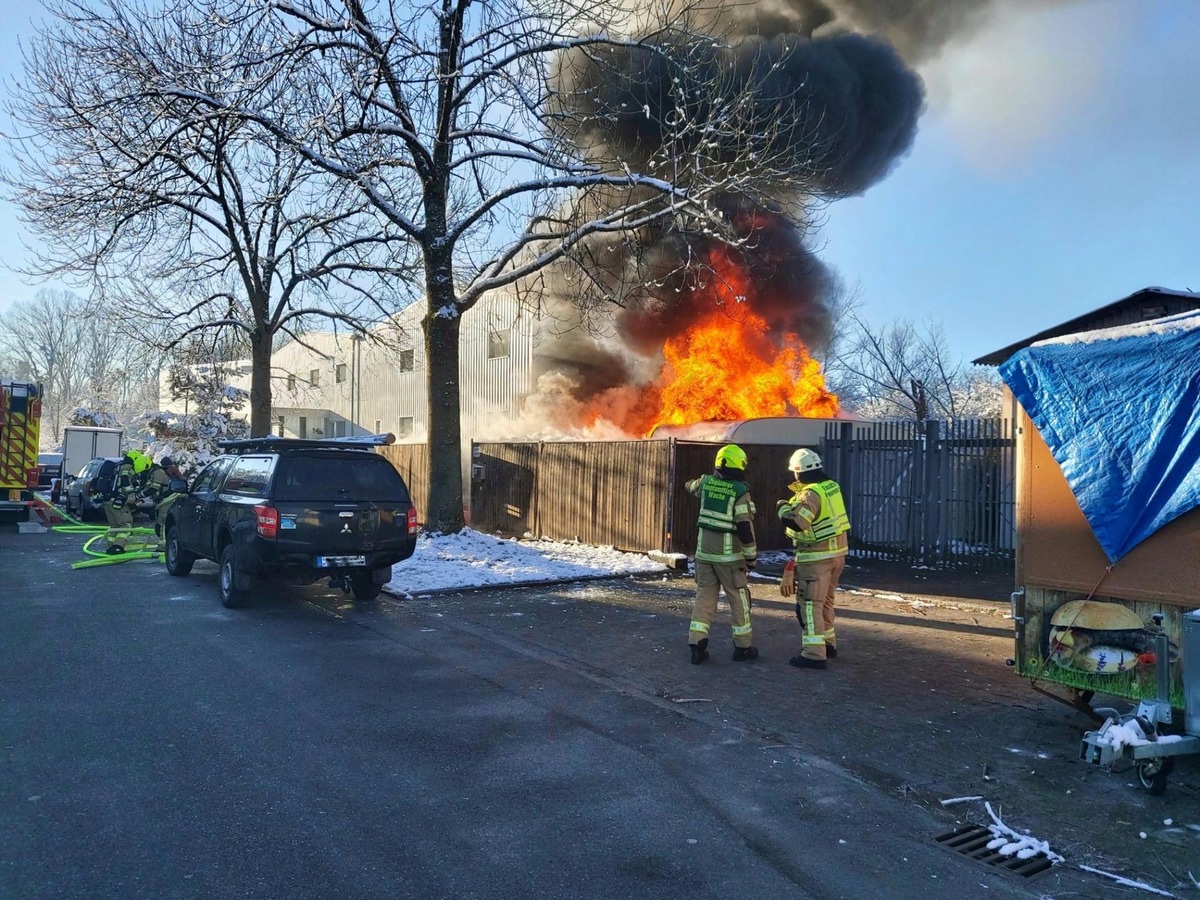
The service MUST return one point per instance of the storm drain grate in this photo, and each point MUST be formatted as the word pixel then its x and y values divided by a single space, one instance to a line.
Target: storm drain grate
pixel 972 841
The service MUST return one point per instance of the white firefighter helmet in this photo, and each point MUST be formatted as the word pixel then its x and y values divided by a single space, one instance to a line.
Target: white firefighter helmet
pixel 804 460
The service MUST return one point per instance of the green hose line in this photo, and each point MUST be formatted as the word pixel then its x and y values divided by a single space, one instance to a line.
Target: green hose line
pixel 109 558
pixel 106 560
pixel 64 514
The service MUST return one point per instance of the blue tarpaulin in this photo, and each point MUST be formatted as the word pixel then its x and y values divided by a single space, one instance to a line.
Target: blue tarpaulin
pixel 1119 410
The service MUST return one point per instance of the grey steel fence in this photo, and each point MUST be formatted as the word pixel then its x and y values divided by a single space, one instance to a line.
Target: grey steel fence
pixel 939 493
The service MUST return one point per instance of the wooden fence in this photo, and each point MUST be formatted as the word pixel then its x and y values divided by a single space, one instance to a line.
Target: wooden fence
pixel 607 493
pixel 411 461
pixel 939 494
pixel 627 494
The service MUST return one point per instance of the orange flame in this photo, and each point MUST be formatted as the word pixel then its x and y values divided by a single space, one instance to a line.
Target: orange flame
pixel 718 371
pixel 728 366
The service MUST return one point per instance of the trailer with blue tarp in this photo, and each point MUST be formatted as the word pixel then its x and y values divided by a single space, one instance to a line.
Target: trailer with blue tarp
pixel 1108 520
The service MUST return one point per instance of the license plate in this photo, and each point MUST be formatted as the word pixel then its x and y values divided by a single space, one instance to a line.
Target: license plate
pixel 333 562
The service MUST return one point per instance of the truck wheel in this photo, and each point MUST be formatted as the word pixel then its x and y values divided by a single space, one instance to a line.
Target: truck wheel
pixel 179 561
pixel 1152 774
pixel 364 586
pixel 231 597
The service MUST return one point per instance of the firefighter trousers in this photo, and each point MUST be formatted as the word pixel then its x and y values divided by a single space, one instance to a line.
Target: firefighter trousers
pixel 120 520
pixel 710 579
pixel 160 514
pixel 816 585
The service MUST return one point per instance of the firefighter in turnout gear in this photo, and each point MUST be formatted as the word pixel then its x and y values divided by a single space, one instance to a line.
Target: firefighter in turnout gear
pixel 158 489
pixel 816 521
pixel 725 552
pixel 119 499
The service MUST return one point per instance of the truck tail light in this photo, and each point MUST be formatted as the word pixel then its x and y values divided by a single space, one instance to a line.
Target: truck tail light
pixel 266 522
pixel 414 527
pixel 32 476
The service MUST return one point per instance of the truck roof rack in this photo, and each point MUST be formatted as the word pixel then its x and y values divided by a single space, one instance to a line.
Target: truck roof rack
pixel 274 444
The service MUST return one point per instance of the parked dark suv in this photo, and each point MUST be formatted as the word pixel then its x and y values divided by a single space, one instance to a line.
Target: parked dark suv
pixel 296 510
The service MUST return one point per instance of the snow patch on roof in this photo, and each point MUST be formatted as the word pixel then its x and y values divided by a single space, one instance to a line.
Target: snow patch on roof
pixel 1186 321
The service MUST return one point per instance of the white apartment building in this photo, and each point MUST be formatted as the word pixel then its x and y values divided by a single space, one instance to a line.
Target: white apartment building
pixel 341 384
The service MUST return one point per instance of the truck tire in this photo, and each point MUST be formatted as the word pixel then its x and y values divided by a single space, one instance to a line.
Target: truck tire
pixel 179 561
pixel 364 585
pixel 227 580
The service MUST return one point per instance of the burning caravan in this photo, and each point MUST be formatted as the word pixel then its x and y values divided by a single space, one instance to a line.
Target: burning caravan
pixel 789 430
pixel 1108 516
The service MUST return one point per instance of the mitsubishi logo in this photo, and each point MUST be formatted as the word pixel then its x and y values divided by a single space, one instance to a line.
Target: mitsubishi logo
pixel 345 528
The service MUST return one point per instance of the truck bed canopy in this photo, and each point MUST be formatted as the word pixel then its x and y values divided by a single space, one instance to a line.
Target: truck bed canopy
pixel 1119 409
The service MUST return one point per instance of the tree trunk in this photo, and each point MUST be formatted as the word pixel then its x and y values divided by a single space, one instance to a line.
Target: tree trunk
pixel 260 384
pixel 445 513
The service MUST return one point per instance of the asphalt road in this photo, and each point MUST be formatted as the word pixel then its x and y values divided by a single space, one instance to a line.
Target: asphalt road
pixel 157 745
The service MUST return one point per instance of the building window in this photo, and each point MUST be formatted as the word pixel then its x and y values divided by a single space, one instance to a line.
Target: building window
pixel 302 427
pixel 339 374
pixel 405 429
pixel 291 383
pixel 498 344
pixel 378 426
pixel 406 360
pixel 314 377
pixel 339 429
pixel 279 425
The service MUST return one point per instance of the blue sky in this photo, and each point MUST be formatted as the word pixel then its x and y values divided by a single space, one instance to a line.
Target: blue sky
pixel 1055 171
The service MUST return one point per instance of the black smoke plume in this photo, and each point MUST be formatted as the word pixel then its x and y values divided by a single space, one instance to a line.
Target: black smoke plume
pixel 832 114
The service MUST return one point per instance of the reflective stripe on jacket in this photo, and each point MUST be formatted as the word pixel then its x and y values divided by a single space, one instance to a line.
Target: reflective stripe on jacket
pixel 723 504
pixel 822 506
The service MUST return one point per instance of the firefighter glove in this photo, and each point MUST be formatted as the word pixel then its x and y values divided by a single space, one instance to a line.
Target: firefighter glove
pixel 750 564
pixel 787 587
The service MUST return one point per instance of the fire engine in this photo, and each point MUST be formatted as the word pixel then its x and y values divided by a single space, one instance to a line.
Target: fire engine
pixel 20 417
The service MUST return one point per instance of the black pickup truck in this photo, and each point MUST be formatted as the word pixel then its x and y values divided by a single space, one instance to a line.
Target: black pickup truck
pixel 296 510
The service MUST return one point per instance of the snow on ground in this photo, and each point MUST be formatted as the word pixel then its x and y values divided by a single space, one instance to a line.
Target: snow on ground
pixel 471 559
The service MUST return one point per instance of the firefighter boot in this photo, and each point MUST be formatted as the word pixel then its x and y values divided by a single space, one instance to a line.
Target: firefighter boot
pixel 803 662
pixel 699 652
pixel 745 654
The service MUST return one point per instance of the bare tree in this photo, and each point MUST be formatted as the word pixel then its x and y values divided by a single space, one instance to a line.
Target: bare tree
pixel 901 371
pixel 479 132
pixel 56 339
pixel 187 221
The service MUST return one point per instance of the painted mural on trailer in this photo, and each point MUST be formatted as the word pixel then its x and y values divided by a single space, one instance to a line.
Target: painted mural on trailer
pixel 1105 647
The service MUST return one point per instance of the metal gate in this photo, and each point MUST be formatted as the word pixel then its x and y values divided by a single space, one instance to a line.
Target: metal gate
pixel 938 493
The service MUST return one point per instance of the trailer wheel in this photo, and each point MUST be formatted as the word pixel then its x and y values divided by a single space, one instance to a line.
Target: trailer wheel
pixel 1152 774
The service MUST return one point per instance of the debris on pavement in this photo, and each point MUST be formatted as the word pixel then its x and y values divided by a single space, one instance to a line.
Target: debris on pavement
pixel 954 800
pixel 1130 883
